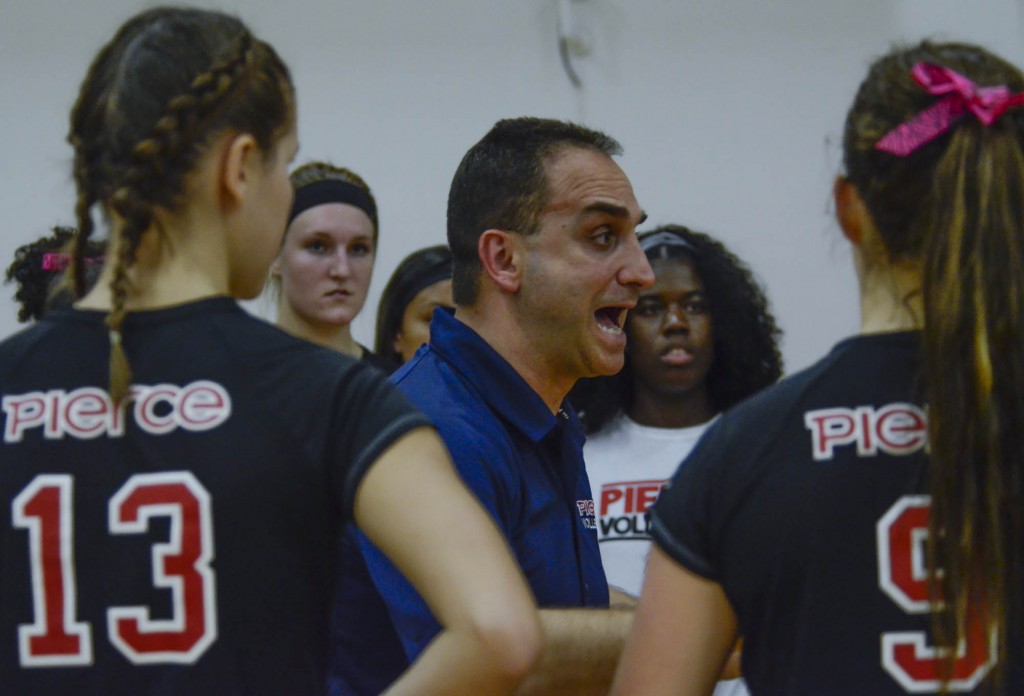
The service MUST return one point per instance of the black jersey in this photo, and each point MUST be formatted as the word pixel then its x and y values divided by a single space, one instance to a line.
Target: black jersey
pixel 187 543
pixel 808 505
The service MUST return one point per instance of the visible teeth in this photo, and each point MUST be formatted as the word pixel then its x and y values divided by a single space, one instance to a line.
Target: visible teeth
pixel 613 329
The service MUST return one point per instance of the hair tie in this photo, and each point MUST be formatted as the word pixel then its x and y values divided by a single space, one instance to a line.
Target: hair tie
pixel 332 191
pixel 56 261
pixel 961 96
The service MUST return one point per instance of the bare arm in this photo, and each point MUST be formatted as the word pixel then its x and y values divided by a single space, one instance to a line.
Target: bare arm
pixel 684 632
pixel 416 509
pixel 581 648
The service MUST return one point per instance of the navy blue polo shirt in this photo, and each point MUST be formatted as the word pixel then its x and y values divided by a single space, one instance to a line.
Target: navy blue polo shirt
pixel 524 463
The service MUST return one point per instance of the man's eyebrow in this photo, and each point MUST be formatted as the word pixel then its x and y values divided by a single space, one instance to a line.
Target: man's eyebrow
pixel 613 210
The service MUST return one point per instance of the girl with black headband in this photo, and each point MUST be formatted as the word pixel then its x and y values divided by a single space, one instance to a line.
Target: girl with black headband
pixel 862 522
pixel 322 273
pixel 421 283
pixel 698 341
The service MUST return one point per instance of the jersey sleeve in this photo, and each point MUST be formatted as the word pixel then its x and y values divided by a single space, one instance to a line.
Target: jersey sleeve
pixel 370 415
pixel 683 520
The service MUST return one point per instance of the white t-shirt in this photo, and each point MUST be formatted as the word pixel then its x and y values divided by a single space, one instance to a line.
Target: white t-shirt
pixel 627 464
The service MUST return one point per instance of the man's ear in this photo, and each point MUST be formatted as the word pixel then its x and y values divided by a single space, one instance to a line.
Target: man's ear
pixel 851 214
pixel 501 256
pixel 240 156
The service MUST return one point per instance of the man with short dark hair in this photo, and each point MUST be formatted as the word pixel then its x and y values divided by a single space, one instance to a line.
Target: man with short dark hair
pixel 542 227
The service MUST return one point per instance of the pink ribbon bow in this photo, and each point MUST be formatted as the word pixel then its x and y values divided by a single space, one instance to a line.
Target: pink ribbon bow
pixel 962 95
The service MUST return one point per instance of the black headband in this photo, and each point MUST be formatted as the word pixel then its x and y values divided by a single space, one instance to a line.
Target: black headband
pixel 332 191
pixel 436 272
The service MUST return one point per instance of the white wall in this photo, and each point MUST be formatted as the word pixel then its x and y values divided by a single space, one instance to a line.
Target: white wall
pixel 730 112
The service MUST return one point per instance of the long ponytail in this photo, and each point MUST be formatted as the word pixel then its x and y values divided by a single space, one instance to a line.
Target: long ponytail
pixel 973 290
pixel 954 201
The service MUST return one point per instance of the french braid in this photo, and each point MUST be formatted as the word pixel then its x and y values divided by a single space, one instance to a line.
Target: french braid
pixel 158 166
pixel 226 80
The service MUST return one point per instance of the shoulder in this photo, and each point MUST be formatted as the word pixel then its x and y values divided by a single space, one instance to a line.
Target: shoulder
pixel 25 338
pixel 761 415
pixel 442 392
pixel 267 349
pixel 474 435
pixel 862 368
pixel 37 349
pixel 470 428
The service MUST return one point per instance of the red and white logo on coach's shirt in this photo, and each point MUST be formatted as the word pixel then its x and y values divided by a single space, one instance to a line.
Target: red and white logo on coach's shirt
pixel 586 509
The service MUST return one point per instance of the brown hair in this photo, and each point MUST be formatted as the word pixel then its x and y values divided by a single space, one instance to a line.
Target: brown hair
pixel 169 81
pixel 957 205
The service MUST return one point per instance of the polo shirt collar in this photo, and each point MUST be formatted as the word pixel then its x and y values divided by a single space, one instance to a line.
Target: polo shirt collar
pixel 504 389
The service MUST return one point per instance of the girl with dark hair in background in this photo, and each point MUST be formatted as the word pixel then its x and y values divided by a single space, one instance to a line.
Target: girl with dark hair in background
pixel 698 341
pixel 178 472
pixel 39 270
pixel 861 522
pixel 421 283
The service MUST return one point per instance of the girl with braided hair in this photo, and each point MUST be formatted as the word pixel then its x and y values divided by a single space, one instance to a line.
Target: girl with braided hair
pixel 178 472
pixel 862 522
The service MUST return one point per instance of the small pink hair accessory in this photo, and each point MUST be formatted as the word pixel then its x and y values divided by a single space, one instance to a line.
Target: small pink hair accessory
pixel 56 261
pixel 961 96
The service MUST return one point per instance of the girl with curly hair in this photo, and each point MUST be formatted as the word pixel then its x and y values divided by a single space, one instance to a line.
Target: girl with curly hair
pixel 39 270
pixel 699 340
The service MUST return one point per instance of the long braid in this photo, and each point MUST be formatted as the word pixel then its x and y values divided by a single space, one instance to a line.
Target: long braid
pixel 168 82
pixel 954 204
pixel 87 137
pixel 134 224
pixel 83 215
pixel 158 165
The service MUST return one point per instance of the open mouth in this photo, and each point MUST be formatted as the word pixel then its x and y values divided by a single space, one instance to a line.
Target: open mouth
pixel 676 356
pixel 611 319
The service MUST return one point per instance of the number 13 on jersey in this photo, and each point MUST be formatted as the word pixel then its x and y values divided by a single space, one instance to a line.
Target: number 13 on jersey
pixel 902 535
pixel 181 565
